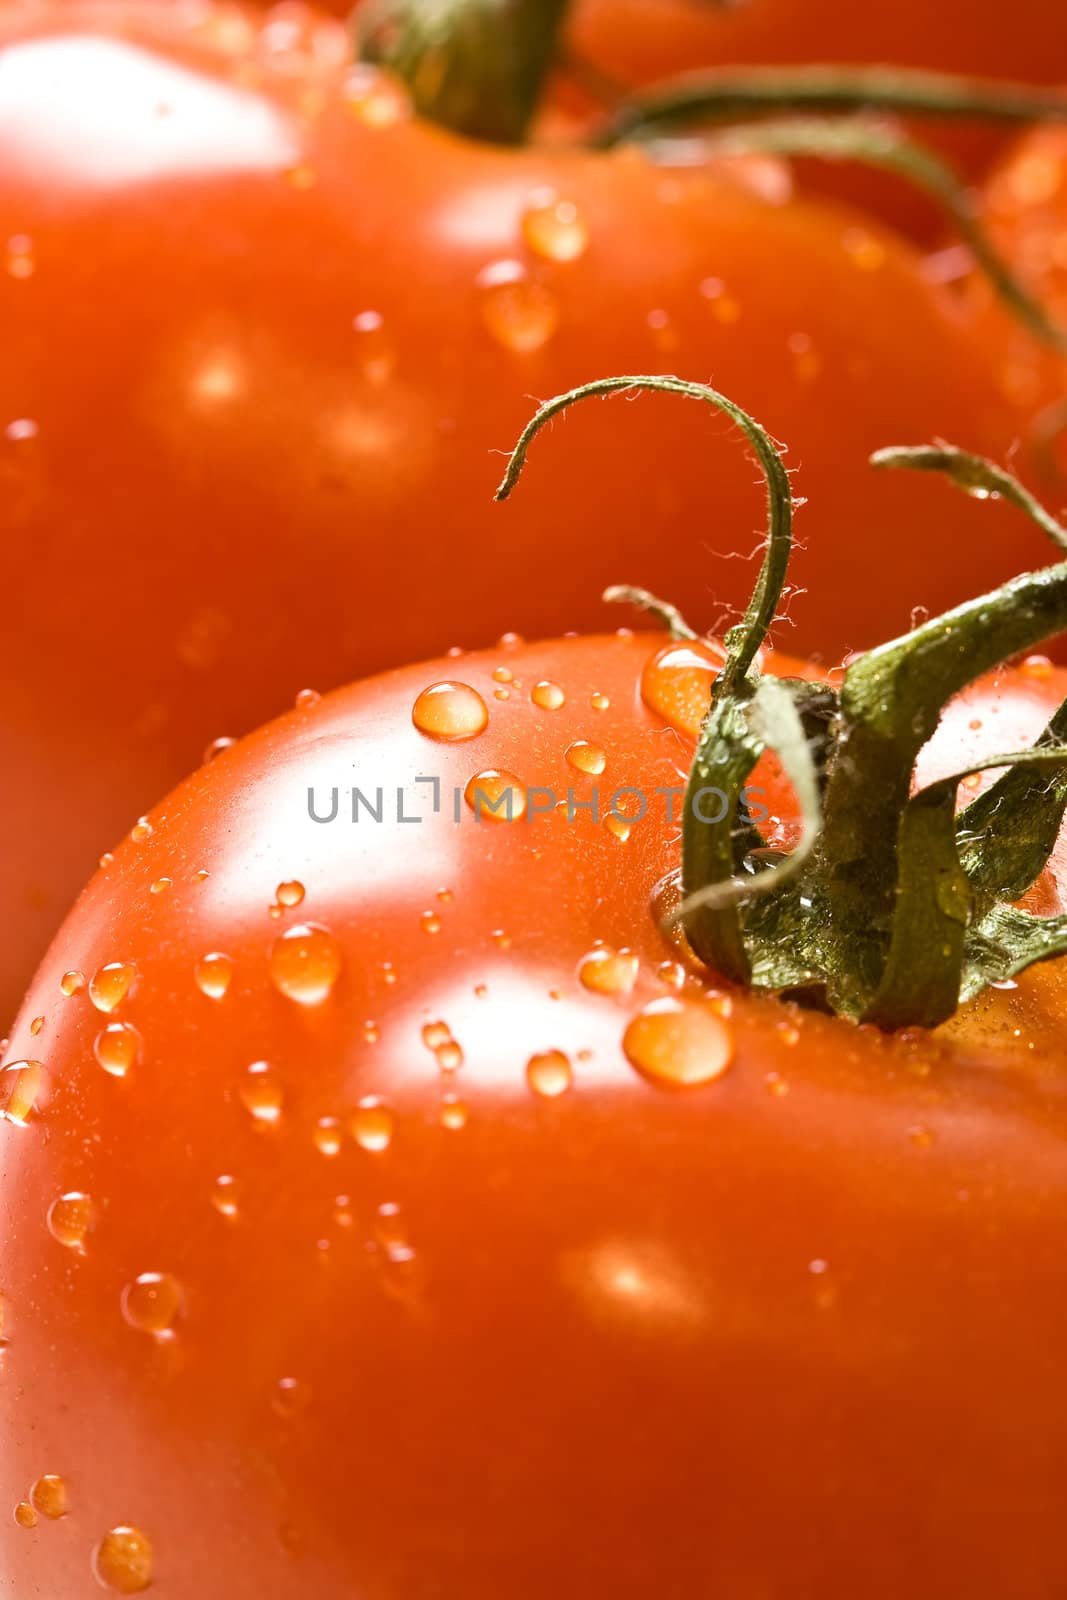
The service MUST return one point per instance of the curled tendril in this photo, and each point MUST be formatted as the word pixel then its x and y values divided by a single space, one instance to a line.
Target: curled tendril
pixel 975 475
pixel 743 641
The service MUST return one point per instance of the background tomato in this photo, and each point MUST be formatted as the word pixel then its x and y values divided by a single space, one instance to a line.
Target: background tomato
pixel 265 339
pixel 534 1318
pixel 639 41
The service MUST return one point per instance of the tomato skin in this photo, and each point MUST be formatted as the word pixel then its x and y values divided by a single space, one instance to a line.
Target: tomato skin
pixel 220 490
pixel 638 1322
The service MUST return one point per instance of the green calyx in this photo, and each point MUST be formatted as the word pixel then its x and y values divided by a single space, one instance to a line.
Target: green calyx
pixel 892 907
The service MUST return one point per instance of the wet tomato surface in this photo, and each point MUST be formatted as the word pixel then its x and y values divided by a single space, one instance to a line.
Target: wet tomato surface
pixel 265 335
pixel 393 1210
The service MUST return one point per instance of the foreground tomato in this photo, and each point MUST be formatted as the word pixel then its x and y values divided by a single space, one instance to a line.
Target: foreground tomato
pixel 365 1239
pixel 263 336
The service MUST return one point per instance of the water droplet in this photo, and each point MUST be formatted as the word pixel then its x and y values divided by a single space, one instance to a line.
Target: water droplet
pixel 449 1056
pixel 375 356
pixel 371 1033
pixel 141 830
pixel 671 973
pixel 35 1026
pixel 20 256
pixel 377 99
pixel 450 711
pixel 678 1042
pixel 549 696
pixel 161 885
pixel 70 1218
pixel 290 1397
pixel 921 1136
pixel 304 963
pixel 372 1124
pixel 112 984
pixel 501 694
pixel 554 229
pixel 776 1084
pixel 519 313
pixel 261 1093
pixel 306 699
pixel 599 702
pixel 501 938
pixel 152 1302
pixel 676 683
pixel 226 1194
pixel 122 1561
pixel 117 1048
pixel 49 1496
pixel 290 894
pixel 430 922
pixel 618 826
pixel 20 1084
pixel 214 974
pixel 25 1515
pixel 217 747
pixel 392 1234
pixel 549 1073
pixel 106 860
pixel 496 796
pixel 453 1112
pixel 503 675
pixel 72 983
pixel 327 1136
pixel 607 971
pixel 1037 667
pixel 862 248
pixel 435 1034
pixel 586 757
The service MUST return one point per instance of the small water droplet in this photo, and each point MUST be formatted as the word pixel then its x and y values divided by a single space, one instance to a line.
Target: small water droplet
pixel 678 1042
pixel 49 1496
pixel 599 702
pixel 496 796
pixel 519 313
pixel 25 1515
pixel 586 757
pixel 111 984
pixel 161 885
pixel 430 922
pixel 226 1194
pixel 290 894
pixel 20 1084
pixel 327 1136
pixel 217 747
pixel 549 1073
pixel 72 983
pixel 261 1092
pixel 450 712
pixel 214 973
pixel 607 971
pixel 372 1124
pixel 152 1302
pixel 141 830
pixel 378 100
pixel 453 1112
pixel 1037 667
pixel 35 1026
pixel 672 973
pixel 305 962
pixel 306 699
pixel 117 1048
pixel 549 696
pixel 123 1561
pixel 70 1218
pixel 371 1033
pixel 435 1034
pixel 392 1234
pixel 375 355
pixel 449 1056
pixel 554 229
pixel 618 826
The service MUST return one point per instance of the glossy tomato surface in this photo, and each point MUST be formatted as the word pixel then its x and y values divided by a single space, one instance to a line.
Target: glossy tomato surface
pixel 393 1211
pixel 266 339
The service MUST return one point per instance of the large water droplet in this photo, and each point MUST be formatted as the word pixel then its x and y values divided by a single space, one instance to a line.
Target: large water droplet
pixel 112 984
pixel 117 1048
pixel 450 711
pixel 549 1073
pixel 122 1561
pixel 496 796
pixel 519 313
pixel 20 1084
pixel 372 1124
pixel 70 1218
pixel 25 1515
pixel 676 683
pixel 678 1042
pixel 304 963
pixel 586 757
pixel 49 1496
pixel 607 971
pixel 555 229
pixel 151 1303
pixel 290 894
pixel 549 696
pixel 213 974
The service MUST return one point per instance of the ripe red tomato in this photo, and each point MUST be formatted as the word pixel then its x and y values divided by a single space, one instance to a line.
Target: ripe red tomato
pixel 368 1239
pixel 264 337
